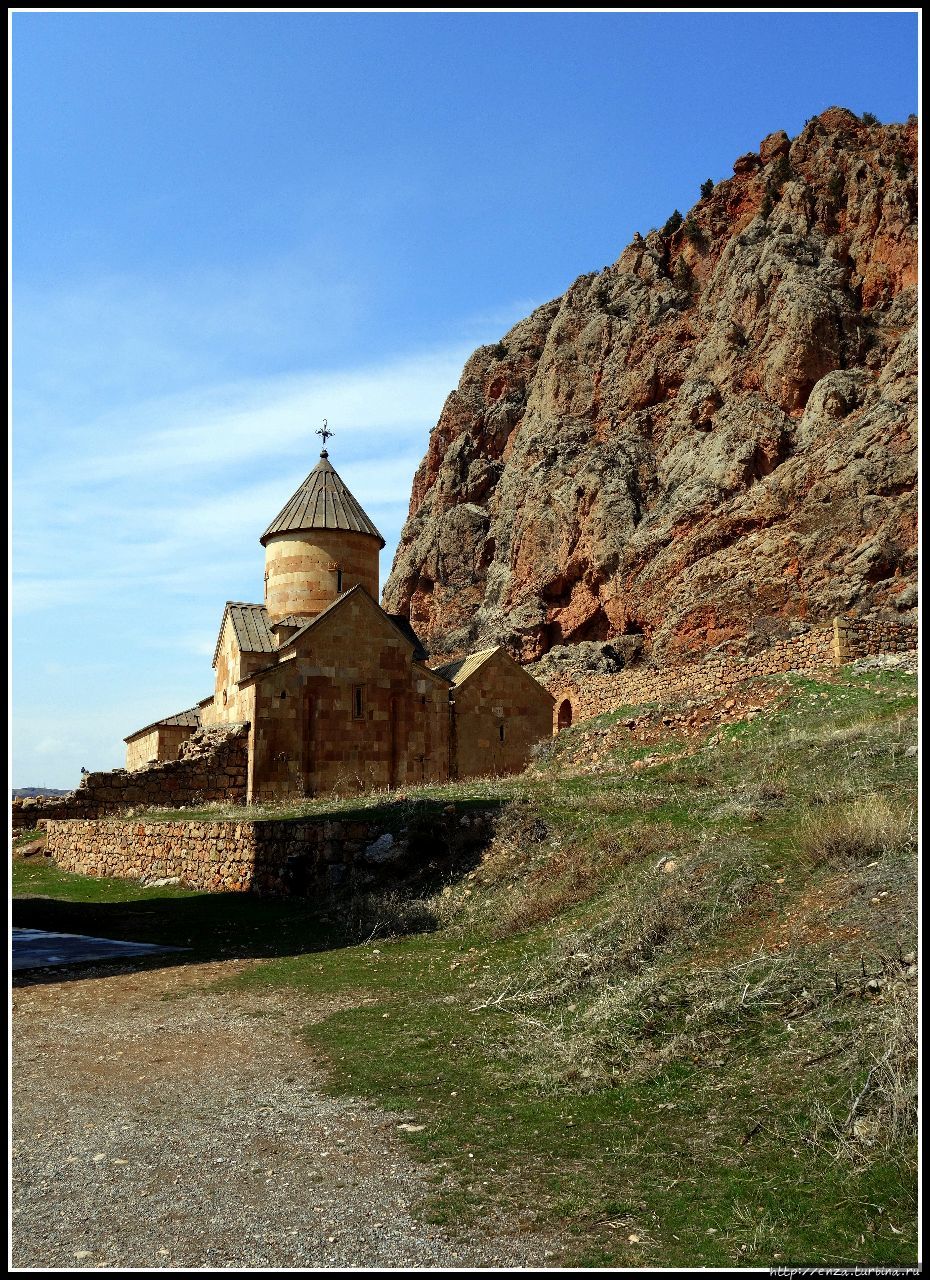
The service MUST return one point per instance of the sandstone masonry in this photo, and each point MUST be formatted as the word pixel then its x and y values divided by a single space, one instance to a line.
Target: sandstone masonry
pixel 212 767
pixel 273 857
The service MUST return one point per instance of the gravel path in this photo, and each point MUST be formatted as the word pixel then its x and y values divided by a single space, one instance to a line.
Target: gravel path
pixel 160 1124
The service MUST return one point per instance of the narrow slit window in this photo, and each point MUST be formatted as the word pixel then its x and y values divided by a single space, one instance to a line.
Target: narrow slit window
pixel 358 703
pixel 502 733
pixel 339 582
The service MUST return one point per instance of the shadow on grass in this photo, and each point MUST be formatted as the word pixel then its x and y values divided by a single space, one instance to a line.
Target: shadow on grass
pixel 373 900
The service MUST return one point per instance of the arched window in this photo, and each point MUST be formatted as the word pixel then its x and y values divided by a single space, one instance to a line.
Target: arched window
pixel 565 715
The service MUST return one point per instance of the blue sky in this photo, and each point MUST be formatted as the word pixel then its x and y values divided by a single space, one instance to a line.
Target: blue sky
pixel 228 226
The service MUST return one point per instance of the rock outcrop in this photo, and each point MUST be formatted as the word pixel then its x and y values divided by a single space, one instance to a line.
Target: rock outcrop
pixel 714 435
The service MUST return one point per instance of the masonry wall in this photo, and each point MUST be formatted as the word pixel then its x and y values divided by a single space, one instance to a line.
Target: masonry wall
pixel 160 744
pixel 499 713
pixel 214 768
pixel 300 569
pixel 232 704
pixel 857 639
pixel 820 647
pixel 308 739
pixel 298 856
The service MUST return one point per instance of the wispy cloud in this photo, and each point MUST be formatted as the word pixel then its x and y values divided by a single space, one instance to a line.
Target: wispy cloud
pixel 165 491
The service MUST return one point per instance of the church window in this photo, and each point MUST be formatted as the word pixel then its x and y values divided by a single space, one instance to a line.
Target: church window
pixel 339 582
pixel 502 733
pixel 358 703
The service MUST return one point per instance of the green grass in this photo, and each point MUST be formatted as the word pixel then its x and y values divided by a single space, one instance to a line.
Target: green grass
pixel 665 1066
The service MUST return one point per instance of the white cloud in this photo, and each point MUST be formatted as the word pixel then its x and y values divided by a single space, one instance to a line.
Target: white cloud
pixel 169 493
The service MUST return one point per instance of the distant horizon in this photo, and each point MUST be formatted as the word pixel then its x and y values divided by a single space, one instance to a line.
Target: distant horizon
pixel 227 227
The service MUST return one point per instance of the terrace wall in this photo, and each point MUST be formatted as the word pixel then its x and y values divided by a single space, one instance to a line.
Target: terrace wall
pixel 828 646
pixel 271 857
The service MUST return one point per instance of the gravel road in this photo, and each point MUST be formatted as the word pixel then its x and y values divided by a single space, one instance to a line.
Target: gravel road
pixel 158 1123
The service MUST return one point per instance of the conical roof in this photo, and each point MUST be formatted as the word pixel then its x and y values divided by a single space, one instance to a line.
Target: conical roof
pixel 321 502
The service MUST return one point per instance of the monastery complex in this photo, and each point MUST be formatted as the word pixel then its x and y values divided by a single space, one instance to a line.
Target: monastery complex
pixel 335 693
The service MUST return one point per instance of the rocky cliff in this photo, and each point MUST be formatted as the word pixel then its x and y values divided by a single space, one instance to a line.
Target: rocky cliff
pixel 715 437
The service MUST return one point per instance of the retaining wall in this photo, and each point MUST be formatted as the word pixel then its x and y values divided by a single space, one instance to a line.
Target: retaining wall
pixel 827 646
pixel 213 767
pixel 271 857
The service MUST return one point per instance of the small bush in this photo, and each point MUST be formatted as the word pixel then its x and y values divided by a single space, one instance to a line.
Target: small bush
pixel 781 173
pixel 693 231
pixel 836 188
pixel 901 167
pixel 390 915
pixel 868 118
pixel 707 187
pixel 868 829
pixel 673 223
pixel 684 276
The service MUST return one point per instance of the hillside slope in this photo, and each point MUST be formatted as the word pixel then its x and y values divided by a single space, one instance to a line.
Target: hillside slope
pixel 716 433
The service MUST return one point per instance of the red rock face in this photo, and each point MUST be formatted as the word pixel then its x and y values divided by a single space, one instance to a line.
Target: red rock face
pixel 721 427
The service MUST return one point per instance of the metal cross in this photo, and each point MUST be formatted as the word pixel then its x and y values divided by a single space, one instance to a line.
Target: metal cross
pixel 325 432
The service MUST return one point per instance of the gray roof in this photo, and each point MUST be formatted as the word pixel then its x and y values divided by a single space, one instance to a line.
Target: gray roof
pixel 403 624
pixel 250 623
pixel 461 669
pixel 292 620
pixel 189 719
pixel 321 502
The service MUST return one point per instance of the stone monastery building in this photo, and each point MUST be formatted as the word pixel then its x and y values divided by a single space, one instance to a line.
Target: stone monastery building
pixel 336 693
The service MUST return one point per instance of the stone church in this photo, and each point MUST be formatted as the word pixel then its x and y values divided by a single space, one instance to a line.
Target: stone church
pixel 338 694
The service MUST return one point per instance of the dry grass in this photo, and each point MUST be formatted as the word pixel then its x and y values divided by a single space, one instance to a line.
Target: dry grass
pixel 878 1117
pixel 871 828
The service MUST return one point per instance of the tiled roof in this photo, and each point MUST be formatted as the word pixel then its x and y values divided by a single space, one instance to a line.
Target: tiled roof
pixel 322 502
pixel 292 620
pixel 189 719
pixel 250 623
pixel 460 670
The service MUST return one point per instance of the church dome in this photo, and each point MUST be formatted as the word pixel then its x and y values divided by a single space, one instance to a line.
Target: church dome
pixel 322 502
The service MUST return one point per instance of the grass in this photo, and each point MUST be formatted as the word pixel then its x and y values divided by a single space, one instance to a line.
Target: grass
pixel 670 1013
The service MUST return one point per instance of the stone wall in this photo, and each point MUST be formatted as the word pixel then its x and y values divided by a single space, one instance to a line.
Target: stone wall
pixel 301 569
pixel 499 714
pixel 303 856
pixel 827 646
pixel 162 742
pixel 860 638
pixel 213 766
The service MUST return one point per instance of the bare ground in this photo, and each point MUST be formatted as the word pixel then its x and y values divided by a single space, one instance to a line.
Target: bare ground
pixel 159 1123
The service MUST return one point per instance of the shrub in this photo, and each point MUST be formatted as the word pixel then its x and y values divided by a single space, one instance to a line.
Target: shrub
pixel 836 188
pixel 781 173
pixel 868 829
pixel 693 231
pixel 684 276
pixel 706 188
pixel 901 167
pixel 868 118
pixel 673 223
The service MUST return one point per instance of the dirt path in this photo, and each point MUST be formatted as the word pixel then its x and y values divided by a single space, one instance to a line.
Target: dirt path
pixel 159 1124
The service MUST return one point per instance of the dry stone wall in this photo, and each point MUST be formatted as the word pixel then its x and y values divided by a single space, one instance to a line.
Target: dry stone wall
pixel 272 857
pixel 820 647
pixel 862 638
pixel 213 767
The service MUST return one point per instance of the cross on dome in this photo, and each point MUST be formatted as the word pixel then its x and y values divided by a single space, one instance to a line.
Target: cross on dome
pixel 325 432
